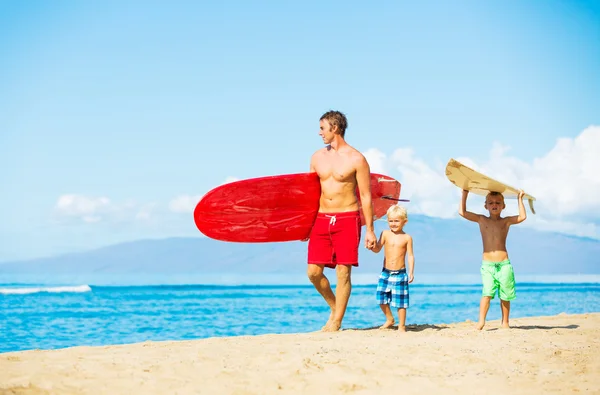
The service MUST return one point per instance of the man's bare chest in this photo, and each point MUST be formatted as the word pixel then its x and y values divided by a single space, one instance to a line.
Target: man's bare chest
pixel 338 168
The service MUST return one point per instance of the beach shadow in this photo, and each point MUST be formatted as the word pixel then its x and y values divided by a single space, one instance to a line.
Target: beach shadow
pixel 530 327
pixel 538 327
pixel 409 328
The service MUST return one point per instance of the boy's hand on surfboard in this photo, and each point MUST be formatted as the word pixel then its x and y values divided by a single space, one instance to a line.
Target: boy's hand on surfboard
pixel 521 193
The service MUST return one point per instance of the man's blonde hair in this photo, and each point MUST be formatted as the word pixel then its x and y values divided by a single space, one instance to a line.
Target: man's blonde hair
pixel 397 211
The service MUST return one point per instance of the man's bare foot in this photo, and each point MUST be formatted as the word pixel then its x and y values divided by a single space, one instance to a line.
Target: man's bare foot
pixel 388 324
pixel 480 325
pixel 401 328
pixel 505 326
pixel 329 321
pixel 332 326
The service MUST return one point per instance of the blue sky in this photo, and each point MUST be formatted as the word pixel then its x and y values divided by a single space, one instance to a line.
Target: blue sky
pixel 114 117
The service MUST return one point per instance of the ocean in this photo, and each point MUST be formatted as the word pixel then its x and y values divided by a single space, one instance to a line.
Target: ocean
pixel 49 316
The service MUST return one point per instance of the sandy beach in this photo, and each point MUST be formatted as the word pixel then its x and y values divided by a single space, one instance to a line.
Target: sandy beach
pixel 559 354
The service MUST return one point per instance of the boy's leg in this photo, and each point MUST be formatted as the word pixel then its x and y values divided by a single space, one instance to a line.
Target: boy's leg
pixel 488 291
pixel 505 305
pixel 384 298
pixel 389 317
pixel 507 292
pixel 402 320
pixel 484 306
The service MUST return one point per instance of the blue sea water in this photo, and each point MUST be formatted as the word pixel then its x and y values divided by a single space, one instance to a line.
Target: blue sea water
pixel 50 317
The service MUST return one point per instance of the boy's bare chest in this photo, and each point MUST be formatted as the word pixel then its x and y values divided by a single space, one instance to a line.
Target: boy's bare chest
pixel 493 228
pixel 396 241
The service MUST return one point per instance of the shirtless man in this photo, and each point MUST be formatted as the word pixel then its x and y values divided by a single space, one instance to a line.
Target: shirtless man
pixel 496 269
pixel 336 233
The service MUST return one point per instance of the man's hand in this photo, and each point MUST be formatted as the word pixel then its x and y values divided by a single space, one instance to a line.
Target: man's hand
pixel 411 277
pixel 521 194
pixel 370 240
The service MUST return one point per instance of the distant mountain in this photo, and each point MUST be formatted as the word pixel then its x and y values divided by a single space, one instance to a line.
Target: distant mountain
pixel 443 247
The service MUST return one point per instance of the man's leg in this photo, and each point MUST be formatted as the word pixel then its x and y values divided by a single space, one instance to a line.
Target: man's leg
pixel 322 285
pixel 342 295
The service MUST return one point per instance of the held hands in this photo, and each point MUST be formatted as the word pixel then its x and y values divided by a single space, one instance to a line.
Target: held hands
pixel 370 240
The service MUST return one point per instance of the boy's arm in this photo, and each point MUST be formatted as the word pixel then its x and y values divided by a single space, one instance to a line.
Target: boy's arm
pixel 411 259
pixel 380 243
pixel 517 219
pixel 462 208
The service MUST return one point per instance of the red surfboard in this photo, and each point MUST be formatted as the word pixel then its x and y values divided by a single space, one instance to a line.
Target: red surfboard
pixel 275 208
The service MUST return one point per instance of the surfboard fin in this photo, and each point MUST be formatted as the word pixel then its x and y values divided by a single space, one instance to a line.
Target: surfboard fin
pixel 392 198
pixel 531 205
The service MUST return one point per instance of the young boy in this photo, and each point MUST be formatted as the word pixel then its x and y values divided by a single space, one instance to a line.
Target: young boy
pixel 392 289
pixel 496 269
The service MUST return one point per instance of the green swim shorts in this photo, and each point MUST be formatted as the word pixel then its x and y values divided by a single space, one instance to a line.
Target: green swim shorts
pixel 498 276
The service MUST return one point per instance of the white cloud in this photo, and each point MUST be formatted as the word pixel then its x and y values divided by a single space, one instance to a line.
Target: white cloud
pixel 565 182
pixel 91 209
pixel 88 209
pixel 184 204
pixel 376 160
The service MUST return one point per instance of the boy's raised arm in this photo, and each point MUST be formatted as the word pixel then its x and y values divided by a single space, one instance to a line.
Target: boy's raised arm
pixel 517 219
pixel 462 208
pixel 379 243
pixel 411 260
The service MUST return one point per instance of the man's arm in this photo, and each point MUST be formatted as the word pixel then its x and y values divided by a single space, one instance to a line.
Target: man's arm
pixel 517 219
pixel 363 179
pixel 411 259
pixel 380 243
pixel 462 208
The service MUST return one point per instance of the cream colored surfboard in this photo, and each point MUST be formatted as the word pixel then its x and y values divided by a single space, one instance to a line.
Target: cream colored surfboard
pixel 466 178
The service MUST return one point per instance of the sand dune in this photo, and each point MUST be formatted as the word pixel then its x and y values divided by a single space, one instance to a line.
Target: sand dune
pixel 540 355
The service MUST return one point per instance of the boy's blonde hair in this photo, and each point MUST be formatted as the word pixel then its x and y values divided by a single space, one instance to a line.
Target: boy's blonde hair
pixel 397 211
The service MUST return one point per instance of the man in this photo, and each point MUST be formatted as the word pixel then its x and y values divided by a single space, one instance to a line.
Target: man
pixel 336 233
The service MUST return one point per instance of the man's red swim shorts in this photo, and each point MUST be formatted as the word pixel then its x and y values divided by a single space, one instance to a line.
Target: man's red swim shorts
pixel 334 239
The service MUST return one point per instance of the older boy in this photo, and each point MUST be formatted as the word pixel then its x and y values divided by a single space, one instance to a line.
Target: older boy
pixel 392 288
pixel 496 270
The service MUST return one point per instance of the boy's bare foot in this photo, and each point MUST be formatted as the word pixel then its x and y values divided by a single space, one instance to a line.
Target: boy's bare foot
pixel 401 328
pixel 480 325
pixel 388 324
pixel 505 326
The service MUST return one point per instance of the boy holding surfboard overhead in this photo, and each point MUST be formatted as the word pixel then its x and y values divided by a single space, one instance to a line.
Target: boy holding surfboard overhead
pixel 392 287
pixel 496 269
pixel 336 233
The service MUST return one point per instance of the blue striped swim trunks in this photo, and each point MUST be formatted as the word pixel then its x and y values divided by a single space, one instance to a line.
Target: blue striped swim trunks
pixel 392 288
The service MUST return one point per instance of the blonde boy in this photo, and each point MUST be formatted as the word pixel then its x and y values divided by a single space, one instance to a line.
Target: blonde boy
pixel 392 288
pixel 496 269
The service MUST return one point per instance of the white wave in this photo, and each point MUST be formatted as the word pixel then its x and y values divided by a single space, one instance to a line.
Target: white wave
pixel 33 290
